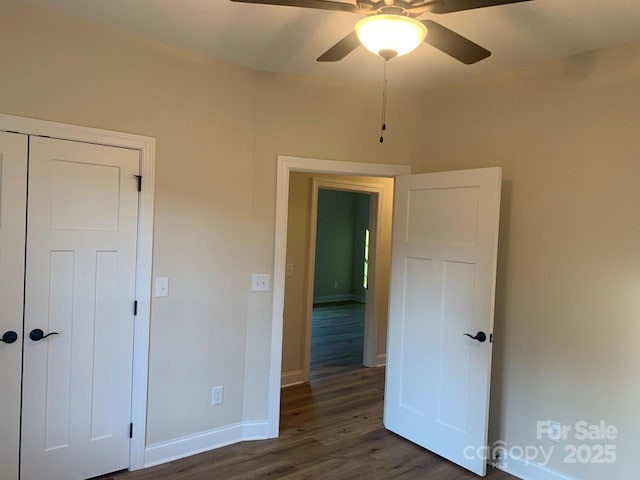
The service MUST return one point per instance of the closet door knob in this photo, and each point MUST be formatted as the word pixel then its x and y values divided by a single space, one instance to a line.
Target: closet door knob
pixel 9 337
pixel 36 334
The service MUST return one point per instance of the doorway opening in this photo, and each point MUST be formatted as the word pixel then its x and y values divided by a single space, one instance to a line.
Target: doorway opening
pixel 445 233
pixel 286 165
pixel 340 281
pixel 331 220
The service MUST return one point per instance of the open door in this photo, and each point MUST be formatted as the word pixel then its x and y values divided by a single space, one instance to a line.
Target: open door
pixel 441 304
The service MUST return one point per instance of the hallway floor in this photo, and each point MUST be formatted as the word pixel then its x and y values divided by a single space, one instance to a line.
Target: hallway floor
pixel 337 338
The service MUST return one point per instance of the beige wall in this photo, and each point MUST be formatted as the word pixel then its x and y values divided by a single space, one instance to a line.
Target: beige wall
pixel 295 297
pixel 568 299
pixel 61 69
pixel 566 134
pixel 218 130
pixel 316 119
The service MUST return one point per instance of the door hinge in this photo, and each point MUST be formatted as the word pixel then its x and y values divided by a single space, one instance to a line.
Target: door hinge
pixel 139 179
pixel 131 430
pixel 135 308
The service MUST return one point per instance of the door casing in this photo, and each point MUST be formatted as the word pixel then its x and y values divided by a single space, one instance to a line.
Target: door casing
pixel 146 147
pixel 286 165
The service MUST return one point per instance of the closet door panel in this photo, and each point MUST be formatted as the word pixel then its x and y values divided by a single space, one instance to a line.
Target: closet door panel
pixel 80 283
pixel 13 196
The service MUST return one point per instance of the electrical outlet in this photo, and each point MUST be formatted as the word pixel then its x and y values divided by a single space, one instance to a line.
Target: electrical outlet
pixel 217 395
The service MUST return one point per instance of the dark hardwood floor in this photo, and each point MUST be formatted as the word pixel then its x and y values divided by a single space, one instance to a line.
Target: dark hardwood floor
pixel 337 338
pixel 330 429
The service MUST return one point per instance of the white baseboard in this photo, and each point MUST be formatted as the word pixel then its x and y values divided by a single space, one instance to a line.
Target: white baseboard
pixel 202 442
pixel 255 431
pixel 381 360
pixel 531 471
pixel 345 297
pixel 292 378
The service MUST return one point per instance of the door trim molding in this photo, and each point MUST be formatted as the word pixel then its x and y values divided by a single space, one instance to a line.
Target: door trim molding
pixel 286 165
pixel 146 146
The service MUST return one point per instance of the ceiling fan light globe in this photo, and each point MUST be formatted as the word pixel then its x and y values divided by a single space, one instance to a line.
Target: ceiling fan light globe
pixel 400 34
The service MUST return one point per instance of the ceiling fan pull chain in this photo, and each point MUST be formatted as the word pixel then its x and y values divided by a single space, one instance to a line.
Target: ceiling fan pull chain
pixel 384 103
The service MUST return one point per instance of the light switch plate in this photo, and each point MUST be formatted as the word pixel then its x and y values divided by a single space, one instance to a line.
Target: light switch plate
pixel 162 287
pixel 260 282
pixel 217 395
pixel 289 270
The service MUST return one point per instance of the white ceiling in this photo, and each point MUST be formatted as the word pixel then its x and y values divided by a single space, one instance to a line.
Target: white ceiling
pixel 286 39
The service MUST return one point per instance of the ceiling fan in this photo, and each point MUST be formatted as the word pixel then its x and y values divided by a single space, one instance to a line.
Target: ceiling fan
pixel 390 28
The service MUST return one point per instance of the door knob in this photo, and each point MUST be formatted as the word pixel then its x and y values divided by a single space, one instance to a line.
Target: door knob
pixel 36 334
pixel 9 337
pixel 480 336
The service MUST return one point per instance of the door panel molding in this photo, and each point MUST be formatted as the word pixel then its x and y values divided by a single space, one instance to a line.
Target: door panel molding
pixel 146 147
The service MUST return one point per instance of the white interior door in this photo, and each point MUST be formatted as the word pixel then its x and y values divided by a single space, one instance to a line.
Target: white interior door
pixel 80 277
pixel 13 198
pixel 443 270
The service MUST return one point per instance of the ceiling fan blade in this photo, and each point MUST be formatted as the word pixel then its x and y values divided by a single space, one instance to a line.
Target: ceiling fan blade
pixel 317 4
pixel 341 49
pixel 450 6
pixel 453 44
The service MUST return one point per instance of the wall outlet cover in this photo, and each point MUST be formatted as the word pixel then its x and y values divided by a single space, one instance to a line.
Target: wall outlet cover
pixel 260 282
pixel 217 395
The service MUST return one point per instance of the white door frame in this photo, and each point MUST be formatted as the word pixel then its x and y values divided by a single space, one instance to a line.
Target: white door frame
pixel 146 146
pixel 370 354
pixel 286 165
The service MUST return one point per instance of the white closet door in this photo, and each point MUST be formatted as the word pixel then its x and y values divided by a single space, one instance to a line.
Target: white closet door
pixel 80 276
pixel 13 197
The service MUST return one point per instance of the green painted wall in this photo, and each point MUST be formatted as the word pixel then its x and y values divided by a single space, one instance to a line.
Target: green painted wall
pixel 342 219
